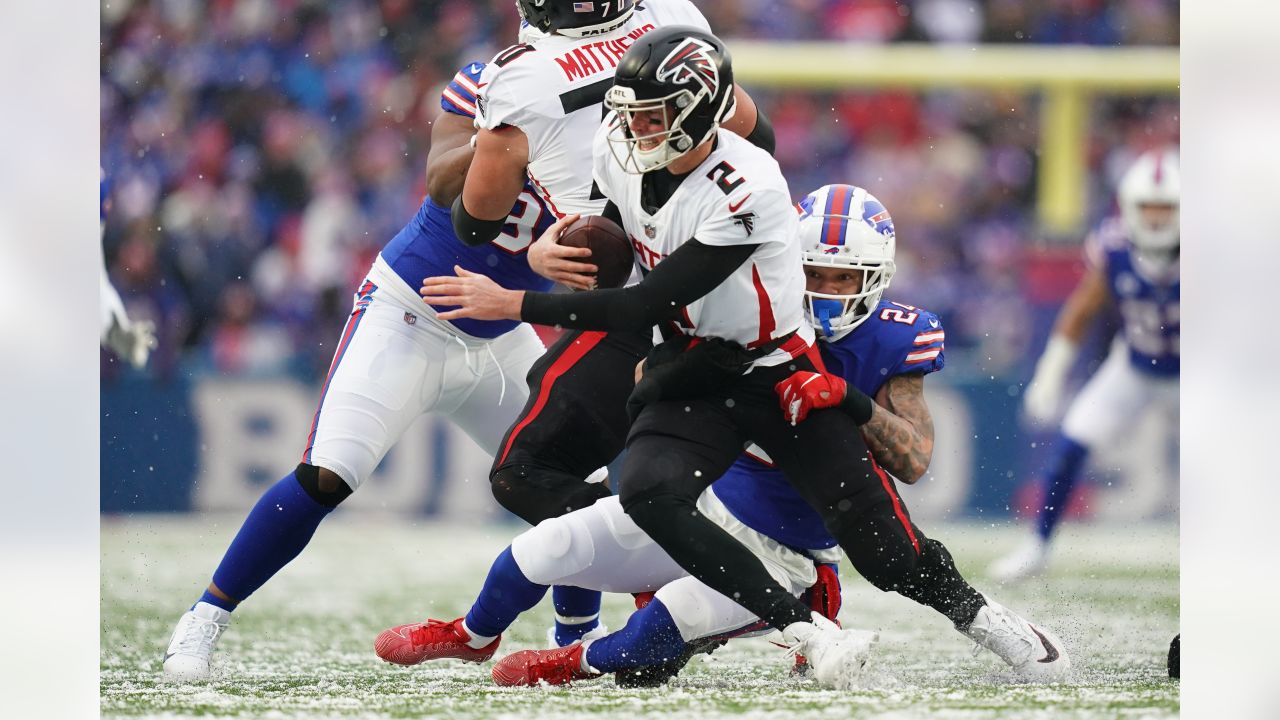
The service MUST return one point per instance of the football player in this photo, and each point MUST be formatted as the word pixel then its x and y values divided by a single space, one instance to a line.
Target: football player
pixel 1133 264
pixel 882 348
pixel 538 104
pixel 396 359
pixel 132 340
pixel 387 366
pixel 712 228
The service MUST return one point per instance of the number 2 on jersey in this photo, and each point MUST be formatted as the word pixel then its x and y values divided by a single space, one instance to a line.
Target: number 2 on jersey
pixel 896 315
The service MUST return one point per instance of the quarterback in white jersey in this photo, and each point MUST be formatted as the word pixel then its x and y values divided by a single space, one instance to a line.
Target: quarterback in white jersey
pixel 737 197
pixel 538 104
pixel 703 395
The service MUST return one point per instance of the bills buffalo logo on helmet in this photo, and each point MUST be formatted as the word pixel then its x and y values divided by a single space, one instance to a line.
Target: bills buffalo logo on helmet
pixel 693 61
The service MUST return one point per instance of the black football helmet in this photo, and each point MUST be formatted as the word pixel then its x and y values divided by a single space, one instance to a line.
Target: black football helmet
pixel 576 19
pixel 681 71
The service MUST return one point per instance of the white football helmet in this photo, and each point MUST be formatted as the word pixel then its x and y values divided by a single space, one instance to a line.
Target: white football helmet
pixel 1152 180
pixel 847 227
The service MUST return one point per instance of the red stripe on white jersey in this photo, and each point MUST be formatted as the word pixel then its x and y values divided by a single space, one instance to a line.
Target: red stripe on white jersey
pixel 930 337
pixel 766 321
pixel 795 346
pixel 923 355
pixel 545 195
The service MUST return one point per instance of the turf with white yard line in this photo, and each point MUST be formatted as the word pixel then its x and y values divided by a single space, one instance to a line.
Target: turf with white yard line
pixel 302 646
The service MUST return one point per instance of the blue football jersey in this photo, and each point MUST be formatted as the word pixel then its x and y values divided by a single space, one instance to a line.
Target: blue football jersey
pixel 1148 303
pixel 428 247
pixel 896 340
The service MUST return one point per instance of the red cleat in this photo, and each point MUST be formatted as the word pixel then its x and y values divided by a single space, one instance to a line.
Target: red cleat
pixel 558 666
pixel 431 640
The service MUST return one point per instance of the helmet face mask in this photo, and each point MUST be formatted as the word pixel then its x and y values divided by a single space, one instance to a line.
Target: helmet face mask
pixel 576 19
pixel 1149 204
pixel 845 227
pixel 679 75
pixel 634 147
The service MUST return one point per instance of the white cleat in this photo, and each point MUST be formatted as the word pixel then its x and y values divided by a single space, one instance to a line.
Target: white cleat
pixel 1029 560
pixel 1033 652
pixel 836 657
pixel 191 647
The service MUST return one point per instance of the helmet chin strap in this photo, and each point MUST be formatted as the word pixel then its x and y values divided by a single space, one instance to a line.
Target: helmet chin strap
pixel 823 309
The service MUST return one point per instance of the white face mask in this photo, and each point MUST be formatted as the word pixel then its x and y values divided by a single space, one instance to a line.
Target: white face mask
pixel 668 143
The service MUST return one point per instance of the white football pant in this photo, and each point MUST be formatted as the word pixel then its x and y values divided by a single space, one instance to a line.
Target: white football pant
pixel 1115 397
pixel 601 548
pixel 395 361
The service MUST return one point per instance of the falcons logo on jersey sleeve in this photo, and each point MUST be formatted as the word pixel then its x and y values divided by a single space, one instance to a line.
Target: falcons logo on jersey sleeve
pixel 691 62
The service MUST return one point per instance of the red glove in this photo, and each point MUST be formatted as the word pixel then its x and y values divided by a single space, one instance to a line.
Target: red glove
pixel 824 595
pixel 805 391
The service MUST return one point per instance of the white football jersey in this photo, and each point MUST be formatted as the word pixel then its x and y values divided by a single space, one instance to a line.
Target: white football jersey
pixel 736 196
pixel 553 88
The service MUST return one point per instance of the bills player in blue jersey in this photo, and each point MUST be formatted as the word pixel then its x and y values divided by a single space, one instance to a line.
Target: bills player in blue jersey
pixel 1133 265
pixel 132 340
pixel 395 360
pixel 873 346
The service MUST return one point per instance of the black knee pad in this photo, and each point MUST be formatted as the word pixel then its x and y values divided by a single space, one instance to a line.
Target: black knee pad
pixel 536 494
pixel 323 490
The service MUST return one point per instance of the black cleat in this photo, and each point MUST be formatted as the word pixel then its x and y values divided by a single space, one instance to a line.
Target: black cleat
pixel 651 676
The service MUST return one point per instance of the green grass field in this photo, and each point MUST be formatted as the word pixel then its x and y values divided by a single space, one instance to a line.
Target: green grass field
pixel 302 646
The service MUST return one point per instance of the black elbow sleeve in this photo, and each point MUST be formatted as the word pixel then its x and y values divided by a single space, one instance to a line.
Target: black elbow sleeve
pixel 762 136
pixel 471 230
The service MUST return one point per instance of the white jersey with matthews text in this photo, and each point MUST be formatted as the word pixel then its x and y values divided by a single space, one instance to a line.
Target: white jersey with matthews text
pixel 552 89
pixel 736 196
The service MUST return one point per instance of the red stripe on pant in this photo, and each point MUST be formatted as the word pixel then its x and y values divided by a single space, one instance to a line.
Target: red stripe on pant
pixel 897 504
pixel 348 332
pixel 584 344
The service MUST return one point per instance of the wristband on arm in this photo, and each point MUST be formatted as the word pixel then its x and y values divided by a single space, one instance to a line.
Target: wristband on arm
pixel 857 405
pixel 473 231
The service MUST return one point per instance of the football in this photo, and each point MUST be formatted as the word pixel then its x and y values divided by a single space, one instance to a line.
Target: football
pixel 610 250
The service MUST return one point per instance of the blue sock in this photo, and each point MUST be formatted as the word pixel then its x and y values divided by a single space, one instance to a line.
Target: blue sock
pixel 577 612
pixel 277 529
pixel 506 594
pixel 650 637
pixel 1064 471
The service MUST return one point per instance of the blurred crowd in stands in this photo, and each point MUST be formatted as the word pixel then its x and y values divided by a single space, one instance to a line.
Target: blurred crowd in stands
pixel 260 152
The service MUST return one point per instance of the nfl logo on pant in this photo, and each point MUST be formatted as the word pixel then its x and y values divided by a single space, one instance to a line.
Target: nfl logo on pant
pixel 410 318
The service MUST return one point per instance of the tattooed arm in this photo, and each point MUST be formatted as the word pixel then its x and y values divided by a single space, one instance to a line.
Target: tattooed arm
pixel 900 431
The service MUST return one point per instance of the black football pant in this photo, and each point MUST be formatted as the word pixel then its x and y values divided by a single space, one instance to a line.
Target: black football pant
pixel 677 448
pixel 574 423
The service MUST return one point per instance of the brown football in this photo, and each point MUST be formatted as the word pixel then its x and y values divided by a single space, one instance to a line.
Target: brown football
pixel 610 250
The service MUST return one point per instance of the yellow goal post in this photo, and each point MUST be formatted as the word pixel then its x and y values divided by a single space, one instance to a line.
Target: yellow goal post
pixel 1066 75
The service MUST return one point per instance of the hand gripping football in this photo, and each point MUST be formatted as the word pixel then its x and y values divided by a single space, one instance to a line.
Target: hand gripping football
pixel 610 250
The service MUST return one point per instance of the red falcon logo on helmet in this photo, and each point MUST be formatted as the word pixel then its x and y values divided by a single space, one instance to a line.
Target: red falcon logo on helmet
pixel 694 60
